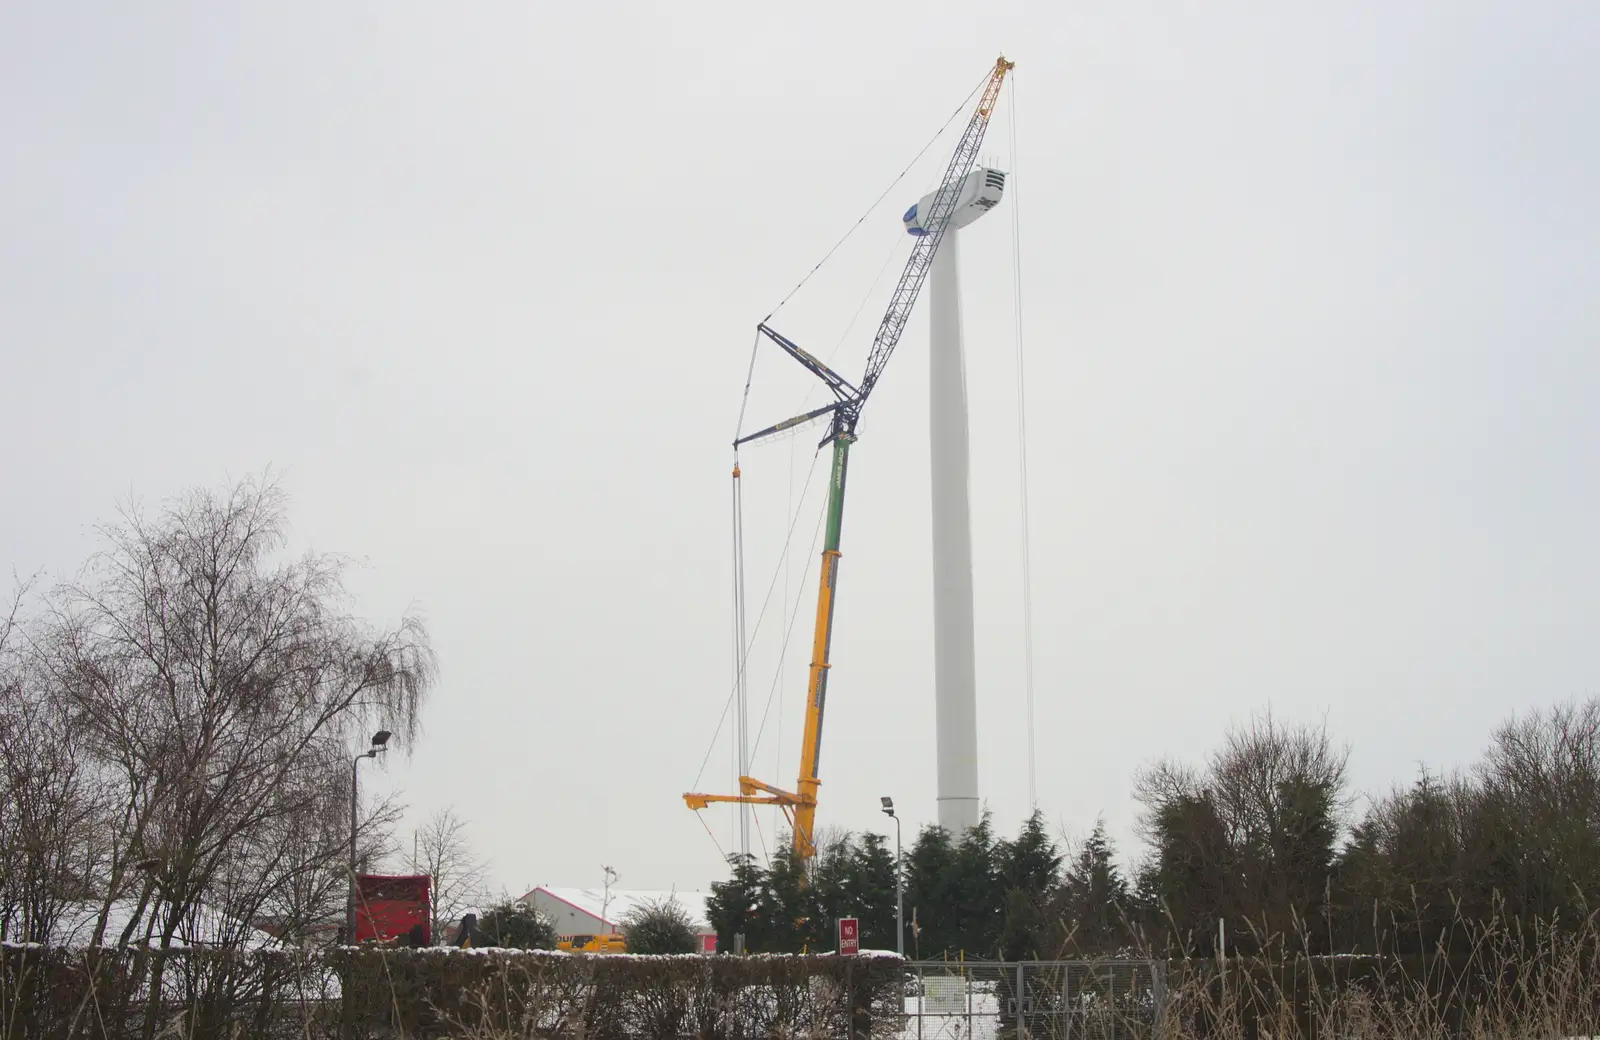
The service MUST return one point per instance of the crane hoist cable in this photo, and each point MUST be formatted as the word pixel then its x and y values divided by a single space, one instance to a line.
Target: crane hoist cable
pixel 876 202
pixel 741 659
pixel 1022 455
pixel 844 413
pixel 760 617
pixel 793 615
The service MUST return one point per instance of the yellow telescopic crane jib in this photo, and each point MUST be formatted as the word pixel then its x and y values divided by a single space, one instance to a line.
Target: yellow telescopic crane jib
pixel 800 805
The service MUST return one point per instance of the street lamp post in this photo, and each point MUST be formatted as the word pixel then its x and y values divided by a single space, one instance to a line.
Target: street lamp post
pixel 380 741
pixel 899 881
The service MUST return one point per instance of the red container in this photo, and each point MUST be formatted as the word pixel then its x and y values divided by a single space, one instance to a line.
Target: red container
pixel 389 907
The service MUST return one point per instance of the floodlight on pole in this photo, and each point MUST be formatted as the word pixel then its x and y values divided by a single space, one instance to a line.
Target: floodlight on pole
pixel 899 881
pixel 380 743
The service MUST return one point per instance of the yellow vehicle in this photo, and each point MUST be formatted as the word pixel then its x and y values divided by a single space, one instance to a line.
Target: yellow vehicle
pixel 592 943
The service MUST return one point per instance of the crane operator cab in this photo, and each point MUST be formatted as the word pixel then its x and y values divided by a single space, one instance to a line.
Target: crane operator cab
pixel 979 193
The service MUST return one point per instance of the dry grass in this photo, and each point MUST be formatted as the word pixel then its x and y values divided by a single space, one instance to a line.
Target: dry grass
pixel 1493 980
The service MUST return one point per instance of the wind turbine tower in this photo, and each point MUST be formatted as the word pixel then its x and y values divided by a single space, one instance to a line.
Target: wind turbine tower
pixel 954 671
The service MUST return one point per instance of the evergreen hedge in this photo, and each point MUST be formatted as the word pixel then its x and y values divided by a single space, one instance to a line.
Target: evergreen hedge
pixel 440 992
pixel 49 993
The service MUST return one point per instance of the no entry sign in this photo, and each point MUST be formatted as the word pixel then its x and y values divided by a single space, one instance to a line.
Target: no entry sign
pixel 849 936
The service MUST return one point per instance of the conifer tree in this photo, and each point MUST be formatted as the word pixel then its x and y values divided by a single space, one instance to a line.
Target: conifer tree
pixel 1028 871
pixel 1095 895
pixel 930 895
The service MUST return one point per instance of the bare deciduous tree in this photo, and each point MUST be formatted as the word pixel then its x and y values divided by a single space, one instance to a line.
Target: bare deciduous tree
pixel 217 684
pixel 1254 836
pixel 1538 804
pixel 459 876
pixel 52 799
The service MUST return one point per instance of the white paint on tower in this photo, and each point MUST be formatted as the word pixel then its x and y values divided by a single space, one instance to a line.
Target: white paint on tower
pixel 955 668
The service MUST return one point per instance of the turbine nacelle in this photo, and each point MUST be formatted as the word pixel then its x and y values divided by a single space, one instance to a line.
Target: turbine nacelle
pixel 979 193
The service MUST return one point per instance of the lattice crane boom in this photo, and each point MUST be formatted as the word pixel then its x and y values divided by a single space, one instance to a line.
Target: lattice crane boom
pixel 937 222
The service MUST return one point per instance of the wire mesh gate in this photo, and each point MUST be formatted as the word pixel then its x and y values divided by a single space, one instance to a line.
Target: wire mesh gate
pixel 1085 1000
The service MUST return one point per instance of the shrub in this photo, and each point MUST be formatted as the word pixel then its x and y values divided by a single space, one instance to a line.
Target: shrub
pixel 660 927
pixel 516 926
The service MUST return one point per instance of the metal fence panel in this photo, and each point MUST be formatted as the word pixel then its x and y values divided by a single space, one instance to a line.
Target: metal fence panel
pixel 1083 1000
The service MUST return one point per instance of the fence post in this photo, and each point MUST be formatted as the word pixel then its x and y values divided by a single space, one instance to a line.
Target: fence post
pixel 1066 999
pixel 966 986
pixel 850 1025
pixel 922 996
pixel 1022 1027
pixel 858 1000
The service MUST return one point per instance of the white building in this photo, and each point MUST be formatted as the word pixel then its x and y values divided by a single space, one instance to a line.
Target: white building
pixel 590 911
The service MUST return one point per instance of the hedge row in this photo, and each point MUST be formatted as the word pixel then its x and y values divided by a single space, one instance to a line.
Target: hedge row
pixel 426 993
pixel 358 994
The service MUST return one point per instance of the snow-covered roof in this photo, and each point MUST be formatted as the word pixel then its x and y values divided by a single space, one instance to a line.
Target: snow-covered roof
pixel 592 900
pixel 76 927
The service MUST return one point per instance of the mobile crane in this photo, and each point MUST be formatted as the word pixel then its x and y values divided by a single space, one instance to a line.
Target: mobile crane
pixel 844 412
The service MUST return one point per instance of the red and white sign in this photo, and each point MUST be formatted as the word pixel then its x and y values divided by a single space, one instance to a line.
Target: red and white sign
pixel 849 936
pixel 708 944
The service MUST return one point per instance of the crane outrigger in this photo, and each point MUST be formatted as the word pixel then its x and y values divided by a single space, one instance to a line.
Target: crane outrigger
pixel 800 805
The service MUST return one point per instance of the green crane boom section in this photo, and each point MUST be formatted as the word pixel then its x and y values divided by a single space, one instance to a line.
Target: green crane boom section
pixel 800 805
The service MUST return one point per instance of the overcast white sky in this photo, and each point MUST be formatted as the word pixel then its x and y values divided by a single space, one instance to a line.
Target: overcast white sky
pixel 1311 323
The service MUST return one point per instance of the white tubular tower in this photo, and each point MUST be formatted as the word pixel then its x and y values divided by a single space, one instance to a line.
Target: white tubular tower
pixel 954 669
pixel 954 664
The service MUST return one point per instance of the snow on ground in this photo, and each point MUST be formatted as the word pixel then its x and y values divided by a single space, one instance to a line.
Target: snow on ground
pixel 944 1014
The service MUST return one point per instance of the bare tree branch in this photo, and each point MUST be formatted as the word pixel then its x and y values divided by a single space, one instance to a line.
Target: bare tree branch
pixel 460 878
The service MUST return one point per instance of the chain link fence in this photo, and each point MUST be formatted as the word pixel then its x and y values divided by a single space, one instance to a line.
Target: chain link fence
pixel 1086 1000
